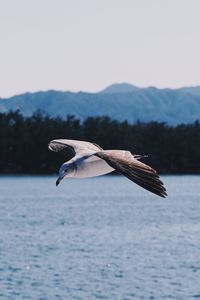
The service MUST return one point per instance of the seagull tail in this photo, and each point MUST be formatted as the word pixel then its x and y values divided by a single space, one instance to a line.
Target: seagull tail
pixel 138 156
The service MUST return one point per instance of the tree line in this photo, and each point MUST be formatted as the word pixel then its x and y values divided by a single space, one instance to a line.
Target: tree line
pixel 24 140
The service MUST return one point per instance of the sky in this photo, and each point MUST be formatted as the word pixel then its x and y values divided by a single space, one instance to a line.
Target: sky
pixel 86 45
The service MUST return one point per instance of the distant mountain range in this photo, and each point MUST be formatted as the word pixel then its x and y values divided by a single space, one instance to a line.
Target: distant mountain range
pixel 119 101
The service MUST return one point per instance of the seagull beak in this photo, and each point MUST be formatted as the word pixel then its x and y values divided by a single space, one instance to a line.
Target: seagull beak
pixel 58 181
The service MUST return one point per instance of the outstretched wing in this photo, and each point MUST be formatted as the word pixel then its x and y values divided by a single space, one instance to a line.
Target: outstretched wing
pixel 73 145
pixel 125 163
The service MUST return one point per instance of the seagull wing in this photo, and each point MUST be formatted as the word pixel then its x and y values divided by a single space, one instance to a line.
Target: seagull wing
pixel 125 163
pixel 76 147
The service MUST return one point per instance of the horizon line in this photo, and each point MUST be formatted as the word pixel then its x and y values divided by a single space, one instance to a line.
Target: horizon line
pixel 98 91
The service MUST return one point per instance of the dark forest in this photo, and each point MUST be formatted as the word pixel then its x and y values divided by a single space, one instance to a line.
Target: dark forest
pixel 24 140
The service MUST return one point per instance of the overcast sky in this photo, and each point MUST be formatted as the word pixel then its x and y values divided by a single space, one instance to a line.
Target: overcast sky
pixel 88 44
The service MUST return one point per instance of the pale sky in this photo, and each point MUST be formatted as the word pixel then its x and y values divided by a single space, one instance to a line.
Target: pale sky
pixel 88 44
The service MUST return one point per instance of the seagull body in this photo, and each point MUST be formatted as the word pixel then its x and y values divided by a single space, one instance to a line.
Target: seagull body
pixel 84 166
pixel 91 160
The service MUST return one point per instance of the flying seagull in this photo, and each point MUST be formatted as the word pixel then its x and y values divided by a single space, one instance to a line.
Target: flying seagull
pixel 91 160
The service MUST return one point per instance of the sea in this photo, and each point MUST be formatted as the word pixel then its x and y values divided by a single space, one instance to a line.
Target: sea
pixel 98 238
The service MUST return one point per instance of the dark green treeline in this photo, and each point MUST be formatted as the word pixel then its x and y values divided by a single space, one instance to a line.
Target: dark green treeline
pixel 23 142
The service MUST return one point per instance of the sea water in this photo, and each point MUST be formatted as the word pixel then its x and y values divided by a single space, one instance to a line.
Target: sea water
pixel 99 238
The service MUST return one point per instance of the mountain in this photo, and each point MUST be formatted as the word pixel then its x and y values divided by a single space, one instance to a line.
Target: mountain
pixel 120 102
pixel 119 88
pixel 194 90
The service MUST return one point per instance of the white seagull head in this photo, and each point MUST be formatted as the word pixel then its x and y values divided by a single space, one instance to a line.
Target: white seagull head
pixel 66 170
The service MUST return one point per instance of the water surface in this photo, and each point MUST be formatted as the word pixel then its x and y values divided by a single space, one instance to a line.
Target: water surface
pixel 100 238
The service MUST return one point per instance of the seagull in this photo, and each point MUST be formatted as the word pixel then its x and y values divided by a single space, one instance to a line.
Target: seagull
pixel 91 160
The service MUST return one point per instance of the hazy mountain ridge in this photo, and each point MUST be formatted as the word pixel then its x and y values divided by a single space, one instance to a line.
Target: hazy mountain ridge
pixel 119 101
pixel 119 88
